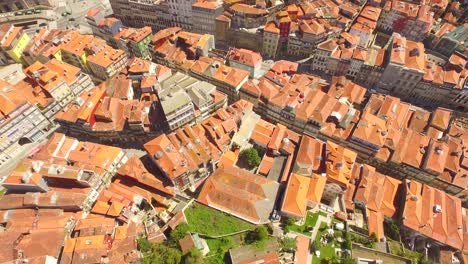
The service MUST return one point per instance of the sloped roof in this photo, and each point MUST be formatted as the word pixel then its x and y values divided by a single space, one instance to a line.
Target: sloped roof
pixel 236 191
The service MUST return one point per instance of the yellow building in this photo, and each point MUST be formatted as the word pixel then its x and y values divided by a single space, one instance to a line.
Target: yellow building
pixel 13 41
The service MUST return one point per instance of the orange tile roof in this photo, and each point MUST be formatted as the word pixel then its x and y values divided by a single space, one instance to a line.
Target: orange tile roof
pixel 230 75
pixel 302 251
pixel 135 170
pixel 240 193
pixel 8 33
pixel 247 9
pixel 262 132
pixel 371 129
pixel 309 156
pixel 295 197
pixel 92 12
pixel 419 214
pixel 378 192
pixel 371 12
pixel 100 207
pixel 436 157
pixel 245 56
pixel 441 118
pixel 206 4
pixel 339 163
pixel 375 222
pixel 272 28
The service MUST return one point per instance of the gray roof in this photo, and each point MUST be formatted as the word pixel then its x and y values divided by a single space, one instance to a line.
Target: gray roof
pixel 197 91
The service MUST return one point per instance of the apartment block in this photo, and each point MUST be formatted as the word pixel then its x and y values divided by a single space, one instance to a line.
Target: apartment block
pixel 30 104
pixel 186 100
pixel 140 13
pixel 409 19
pixel 450 38
pixel 271 37
pixel 404 67
pixel 204 15
pixel 185 157
pixel 13 40
pixel 245 60
pixel 62 81
pixel 227 80
pixel 174 47
pixel 247 16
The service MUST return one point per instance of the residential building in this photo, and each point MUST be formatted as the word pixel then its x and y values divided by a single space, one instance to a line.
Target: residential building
pixel 371 70
pixel 240 193
pixel 452 40
pixel 50 228
pixel 246 60
pixel 185 157
pixel 204 15
pixel 224 123
pixel 365 24
pixel 134 41
pixel 271 37
pixel 30 105
pixel 339 165
pixel 404 67
pixel 107 63
pixel 89 53
pixel 411 20
pixel 61 148
pixel 15 5
pixel 186 100
pixel 181 12
pixel 376 196
pixel 302 192
pixel 141 13
pixel 13 40
pixel 247 16
pixel 432 216
pixel 44 46
pixel 174 47
pixel 62 81
pixel 102 27
pixel 228 80
pixel 322 54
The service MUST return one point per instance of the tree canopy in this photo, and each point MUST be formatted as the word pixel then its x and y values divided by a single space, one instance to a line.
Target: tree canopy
pixel 162 254
pixel 251 157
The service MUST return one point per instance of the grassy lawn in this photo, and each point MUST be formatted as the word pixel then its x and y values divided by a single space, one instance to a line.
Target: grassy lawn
pixel 327 250
pixel 219 248
pixel 397 249
pixel 205 220
pixel 2 192
pixel 309 224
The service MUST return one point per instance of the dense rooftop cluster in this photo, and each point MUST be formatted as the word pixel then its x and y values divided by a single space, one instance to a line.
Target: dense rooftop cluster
pixel 342 134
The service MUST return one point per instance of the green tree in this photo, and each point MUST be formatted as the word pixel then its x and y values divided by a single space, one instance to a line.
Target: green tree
pixel 315 245
pixel 258 235
pixel 261 233
pixel 162 254
pixel 288 244
pixel 143 244
pixel 423 260
pixel 194 256
pixel 348 244
pixel 179 232
pixel 348 260
pixel 287 224
pixel 251 157
pixel 393 231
